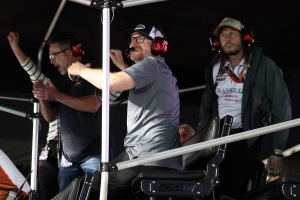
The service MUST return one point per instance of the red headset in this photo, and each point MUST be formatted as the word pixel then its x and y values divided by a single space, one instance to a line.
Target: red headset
pixel 159 45
pixel 76 49
pixel 247 37
pixel 75 46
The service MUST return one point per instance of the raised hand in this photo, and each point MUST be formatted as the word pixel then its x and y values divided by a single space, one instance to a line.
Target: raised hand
pixel 13 39
pixel 117 58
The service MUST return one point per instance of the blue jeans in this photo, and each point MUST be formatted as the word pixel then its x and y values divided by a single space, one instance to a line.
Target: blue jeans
pixel 67 175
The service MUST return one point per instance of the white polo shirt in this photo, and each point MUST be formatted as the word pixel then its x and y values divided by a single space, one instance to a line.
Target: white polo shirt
pixel 229 92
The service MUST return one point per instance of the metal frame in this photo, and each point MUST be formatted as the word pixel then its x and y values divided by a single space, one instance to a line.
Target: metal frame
pixel 35 120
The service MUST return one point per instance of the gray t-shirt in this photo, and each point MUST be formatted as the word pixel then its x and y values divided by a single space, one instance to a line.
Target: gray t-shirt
pixel 153 112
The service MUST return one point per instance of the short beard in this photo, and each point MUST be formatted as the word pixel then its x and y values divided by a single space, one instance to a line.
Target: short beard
pixel 231 53
pixel 137 59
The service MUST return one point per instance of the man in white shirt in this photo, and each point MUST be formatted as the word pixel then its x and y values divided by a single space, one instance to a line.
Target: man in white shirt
pixel 244 83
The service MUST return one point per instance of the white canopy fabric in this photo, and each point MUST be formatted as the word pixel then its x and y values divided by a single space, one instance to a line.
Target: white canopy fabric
pixel 11 177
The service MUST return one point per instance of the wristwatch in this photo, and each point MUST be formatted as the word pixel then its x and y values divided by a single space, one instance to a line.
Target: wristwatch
pixel 277 154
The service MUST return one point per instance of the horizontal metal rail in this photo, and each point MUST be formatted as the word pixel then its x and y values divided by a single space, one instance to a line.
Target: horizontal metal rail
pixel 207 144
pixel 17 99
pixel 12 111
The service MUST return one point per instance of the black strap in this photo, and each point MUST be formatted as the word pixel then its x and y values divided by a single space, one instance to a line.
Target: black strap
pixel 234 77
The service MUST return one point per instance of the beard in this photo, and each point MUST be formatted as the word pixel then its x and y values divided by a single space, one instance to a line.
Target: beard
pixel 238 49
pixel 137 58
pixel 233 53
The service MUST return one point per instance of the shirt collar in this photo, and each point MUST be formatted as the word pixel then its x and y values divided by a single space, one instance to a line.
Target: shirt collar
pixel 227 63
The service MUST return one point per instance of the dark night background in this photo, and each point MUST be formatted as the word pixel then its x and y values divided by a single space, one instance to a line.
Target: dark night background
pixel 187 25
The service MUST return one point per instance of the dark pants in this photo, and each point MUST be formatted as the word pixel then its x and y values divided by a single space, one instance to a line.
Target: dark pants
pixel 238 165
pixel 119 183
pixel 48 173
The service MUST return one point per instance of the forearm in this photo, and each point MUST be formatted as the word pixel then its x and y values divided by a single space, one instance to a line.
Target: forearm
pixel 279 139
pixel 94 76
pixel 281 113
pixel 49 113
pixel 83 103
pixel 20 55
pixel 119 81
pixel 113 95
pixel 33 72
pixel 279 102
pixel 27 64
pixel 53 130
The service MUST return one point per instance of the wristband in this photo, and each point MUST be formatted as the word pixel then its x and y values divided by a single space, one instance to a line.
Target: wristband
pixel 277 154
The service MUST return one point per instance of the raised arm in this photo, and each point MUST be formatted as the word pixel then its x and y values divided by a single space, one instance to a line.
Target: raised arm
pixel 119 81
pixel 117 58
pixel 27 64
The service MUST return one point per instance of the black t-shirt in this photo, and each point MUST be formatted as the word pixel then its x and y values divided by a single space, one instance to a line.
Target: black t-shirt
pixel 80 131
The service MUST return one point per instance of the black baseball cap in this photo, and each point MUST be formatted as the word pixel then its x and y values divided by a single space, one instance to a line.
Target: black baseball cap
pixel 144 29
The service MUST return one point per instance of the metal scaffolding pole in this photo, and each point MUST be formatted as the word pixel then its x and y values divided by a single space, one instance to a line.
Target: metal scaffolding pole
pixel 35 120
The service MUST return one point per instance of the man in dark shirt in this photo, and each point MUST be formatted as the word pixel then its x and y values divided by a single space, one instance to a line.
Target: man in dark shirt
pixel 78 110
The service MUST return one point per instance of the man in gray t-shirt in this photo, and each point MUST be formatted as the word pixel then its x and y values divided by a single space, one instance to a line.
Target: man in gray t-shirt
pixel 153 111
pixel 153 104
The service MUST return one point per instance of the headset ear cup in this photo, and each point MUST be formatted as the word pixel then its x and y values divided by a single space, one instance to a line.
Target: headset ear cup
pixel 214 42
pixel 159 46
pixel 76 50
pixel 247 36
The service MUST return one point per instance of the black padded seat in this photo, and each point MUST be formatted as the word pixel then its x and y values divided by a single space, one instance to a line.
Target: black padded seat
pixel 187 183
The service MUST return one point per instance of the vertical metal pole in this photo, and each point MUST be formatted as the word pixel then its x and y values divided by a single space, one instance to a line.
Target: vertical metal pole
pixel 105 98
pixel 34 150
pixel 36 123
